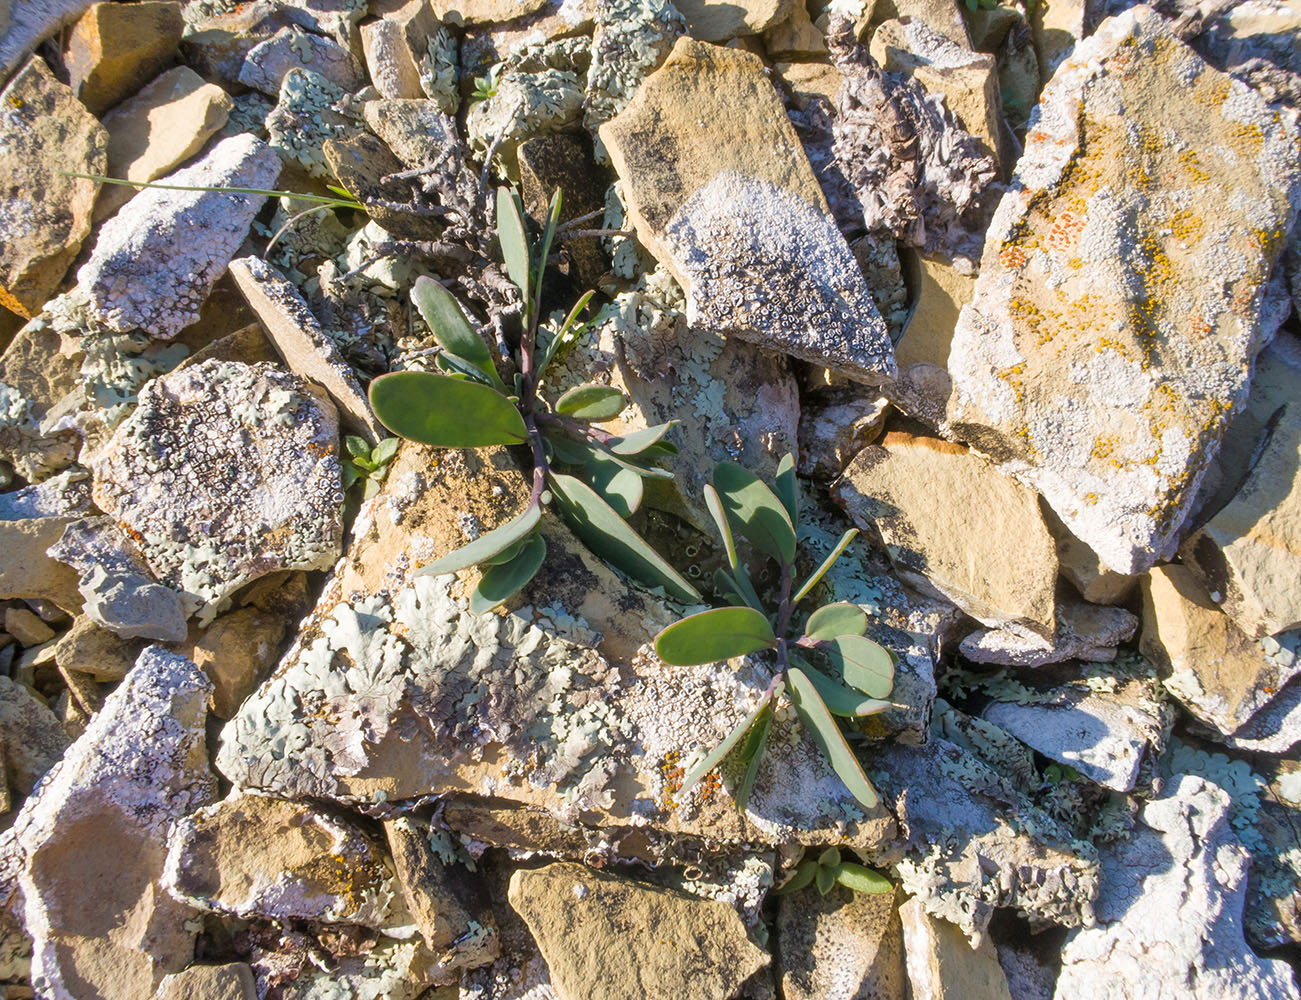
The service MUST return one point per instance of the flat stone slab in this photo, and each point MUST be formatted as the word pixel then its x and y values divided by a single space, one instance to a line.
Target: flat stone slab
pixel 1084 632
pixel 1114 321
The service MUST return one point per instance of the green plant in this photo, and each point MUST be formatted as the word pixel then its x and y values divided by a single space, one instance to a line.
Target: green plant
pixel 470 406
pixel 485 87
pixel 367 465
pixel 861 672
pixel 975 5
pixel 828 870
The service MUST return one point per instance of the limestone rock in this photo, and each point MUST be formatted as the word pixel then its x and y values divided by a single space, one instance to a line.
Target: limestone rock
pixel 159 129
pixel 1276 728
pixel 942 964
pixel 44 216
pixel 237 651
pixel 1169 911
pixel 1101 357
pixel 1249 554
pixel 526 104
pixel 24 23
pixel 944 16
pixel 841 946
pixel 306 116
pixel 28 571
pixel 604 937
pixel 631 39
pixel 93 839
pixel 720 191
pixel 267 62
pixel 209 982
pixel 361 163
pixel 987 549
pixel 34 376
pixel 795 38
pixel 942 291
pixel 809 81
pixel 835 425
pixel 155 262
pixel 715 21
pixel 471 12
pixel 296 334
pixel 31 739
pixel 65 495
pixel 1084 632
pixel 217 40
pixel 564 162
pixel 397 47
pixel 114 49
pixel 26 627
pixel 89 648
pixel 1221 675
pixel 1056 33
pixel 253 856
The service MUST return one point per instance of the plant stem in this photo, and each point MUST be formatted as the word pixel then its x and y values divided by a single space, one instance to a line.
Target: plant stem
pixel 784 610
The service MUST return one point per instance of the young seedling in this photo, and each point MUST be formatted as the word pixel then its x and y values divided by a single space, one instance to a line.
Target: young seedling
pixel 857 674
pixel 470 406
pixel 828 870
pixel 367 465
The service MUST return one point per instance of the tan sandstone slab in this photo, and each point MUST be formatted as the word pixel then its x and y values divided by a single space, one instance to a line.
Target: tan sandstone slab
pixel 842 946
pixel 115 48
pixel 942 964
pixel 1115 318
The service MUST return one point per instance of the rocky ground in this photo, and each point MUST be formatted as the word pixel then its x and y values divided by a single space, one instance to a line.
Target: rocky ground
pixel 1019 287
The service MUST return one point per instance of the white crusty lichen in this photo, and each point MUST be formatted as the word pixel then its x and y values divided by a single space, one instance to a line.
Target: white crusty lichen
pixel 632 38
pixel 309 112
pixel 440 70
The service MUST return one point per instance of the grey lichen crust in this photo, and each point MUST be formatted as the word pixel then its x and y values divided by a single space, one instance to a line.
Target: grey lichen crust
pixel 225 472
pixel 766 266
pixel 308 114
pixel 631 39
pixel 156 260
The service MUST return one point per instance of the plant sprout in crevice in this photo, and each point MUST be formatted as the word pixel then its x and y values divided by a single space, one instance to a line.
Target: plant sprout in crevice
pixel 857 675
pixel 469 405
pixel 830 869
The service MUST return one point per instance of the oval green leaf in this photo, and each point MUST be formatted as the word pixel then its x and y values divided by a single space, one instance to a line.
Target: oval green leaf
pixel 863 664
pixel 450 327
pixel 514 241
pixel 839 699
pixel 486 546
pixel 620 486
pixel 752 754
pixel 609 536
pixel 803 876
pixel 711 636
pixel 504 581
pixel 787 488
pixel 826 879
pixel 829 858
pixel 445 411
pixel 383 452
pixel 827 563
pixel 761 517
pixel 715 756
pixel 591 402
pixel 827 735
pixel 833 620
pixel 639 441
pixel 862 879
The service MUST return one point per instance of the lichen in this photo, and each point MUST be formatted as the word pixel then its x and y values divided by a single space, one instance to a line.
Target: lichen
pixel 308 113
pixel 525 105
pixel 440 70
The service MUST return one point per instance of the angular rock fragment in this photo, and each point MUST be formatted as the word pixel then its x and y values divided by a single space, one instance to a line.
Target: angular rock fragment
pixel 1084 632
pixel 155 262
pixel 225 472
pixel 841 946
pixel 720 192
pixel 986 549
pixel 269 61
pixel 524 105
pixel 397 47
pixel 289 323
pixel 603 935
pixel 1276 728
pixel 31 739
pixel 25 626
pixel 942 964
pixel 631 39
pixel 471 12
pixel 795 38
pixel 209 982
pixel 717 21
pixel 24 24
pixel 89 648
pixel 44 215
pixel 942 291
pixel 253 856
pixel 65 495
pixel 835 425
pixel 1169 911
pixel 1113 325
pixel 561 162
pixel 114 49
pixel 305 117
pixel 93 839
pixel 237 651
pixel 28 571
pixel 362 164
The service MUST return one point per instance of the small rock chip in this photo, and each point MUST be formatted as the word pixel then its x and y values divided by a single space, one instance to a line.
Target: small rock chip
pixel 267 62
pixel 236 652
pixel 718 20
pixel 156 261
pixel 65 495
pixel 623 938
pixel 27 627
pixel 464 13
pixel 44 215
pixel 841 946
pixel 89 648
pixel 396 48
pixel 209 982
pixel 226 472
pixel 31 738
pixel 942 965
pixel 985 548
pixel 835 425
pixel 1084 632
pixel 115 48
pixel 24 24
pixel 28 571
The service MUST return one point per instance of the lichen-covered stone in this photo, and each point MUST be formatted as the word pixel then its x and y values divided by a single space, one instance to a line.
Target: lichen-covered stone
pixel 719 190
pixel 64 495
pixel 267 62
pixel 25 23
pixel 209 982
pixel 114 49
pixel 44 216
pixel 841 946
pixel 1084 632
pixel 943 964
pixel 1113 324
pixel 411 55
pixel 306 116
pixel 155 262
pixel 1276 728
pixel 605 937
pixel 225 472
pixel 525 105
pixel 718 21
pixel 1169 911
pixel 630 41
pixel 92 840
pixel 31 739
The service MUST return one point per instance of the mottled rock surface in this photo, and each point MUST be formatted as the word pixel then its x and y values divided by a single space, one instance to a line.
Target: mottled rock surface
pixel 28 570
pixel 841 946
pixel 155 262
pixel 225 472
pixel 942 964
pixel 26 22
pixel 718 20
pixel 209 982
pixel 31 739
pixel 267 62
pixel 1113 324
pixel 1084 632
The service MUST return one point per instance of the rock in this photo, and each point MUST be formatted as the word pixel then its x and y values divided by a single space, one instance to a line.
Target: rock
pixel 1276 728
pixel 397 47
pixel 943 16
pixel 241 453
pixel 305 118
pixel 1170 910
pixel 159 129
pixel 963 856
pixel 1089 383
pixel 835 425
pixel 256 857
pixel 942 291
pixel 564 162
pixel 27 571
pixel 1221 675
pixel 268 61
pixel 120 591
pixel 465 13
pixel 361 163
pixel 248 344
pixel 1084 632
pixel 715 21
pixel 209 982
pixel 1056 33
pixel 34 376
pixel 93 839
pixel 967 80
pixel 795 38
pixel 525 105
pixel 415 130
pixel 942 964
pixel 114 49
pixel 1273 835
pixel 989 27
pixel 553 703
pixel 66 495
pixel 1104 733
pixel 31 739
pixel 156 260
pixel 603 936
pixel 807 81
pixel 89 648
pixel 216 44
pixel 706 144
pixel 237 651
pixel 44 216
pixel 841 946
pixel 296 334
pixel 25 23
pixel 994 558
pixel 631 39
pixel 1249 554
pixel 26 627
